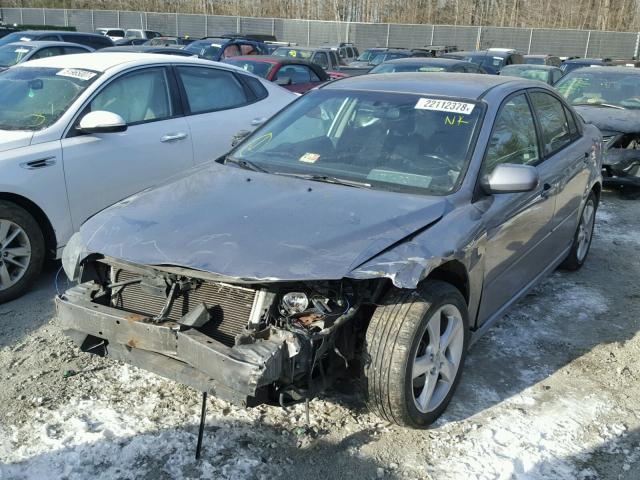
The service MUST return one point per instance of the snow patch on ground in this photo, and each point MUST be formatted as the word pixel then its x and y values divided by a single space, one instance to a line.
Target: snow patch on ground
pixel 523 439
pixel 106 439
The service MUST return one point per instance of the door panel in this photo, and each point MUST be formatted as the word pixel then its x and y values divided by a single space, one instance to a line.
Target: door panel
pixel 101 169
pixel 567 164
pixel 518 224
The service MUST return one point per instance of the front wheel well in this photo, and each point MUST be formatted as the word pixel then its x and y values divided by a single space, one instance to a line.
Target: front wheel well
pixel 38 214
pixel 454 273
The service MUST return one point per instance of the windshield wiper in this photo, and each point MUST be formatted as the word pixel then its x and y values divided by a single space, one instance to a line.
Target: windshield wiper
pixel 327 179
pixel 246 164
pixel 608 105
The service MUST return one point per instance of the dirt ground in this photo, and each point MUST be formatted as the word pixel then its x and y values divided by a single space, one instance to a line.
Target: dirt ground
pixel 551 392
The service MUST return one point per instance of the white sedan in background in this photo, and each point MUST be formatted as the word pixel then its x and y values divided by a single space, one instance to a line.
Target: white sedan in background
pixel 81 132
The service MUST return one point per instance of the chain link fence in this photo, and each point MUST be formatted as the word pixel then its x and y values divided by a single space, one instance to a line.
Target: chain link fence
pixel 592 43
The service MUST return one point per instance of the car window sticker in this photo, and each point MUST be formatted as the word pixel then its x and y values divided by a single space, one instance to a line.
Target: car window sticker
pixel 439 105
pixel 310 157
pixel 76 73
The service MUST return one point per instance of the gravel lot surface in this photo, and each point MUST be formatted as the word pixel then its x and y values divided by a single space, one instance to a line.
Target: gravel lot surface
pixel 551 392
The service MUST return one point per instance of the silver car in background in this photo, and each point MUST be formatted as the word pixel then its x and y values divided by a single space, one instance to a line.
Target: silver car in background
pixel 381 221
pixel 19 52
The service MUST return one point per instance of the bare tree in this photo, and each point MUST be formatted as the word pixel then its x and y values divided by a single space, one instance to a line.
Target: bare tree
pixel 619 15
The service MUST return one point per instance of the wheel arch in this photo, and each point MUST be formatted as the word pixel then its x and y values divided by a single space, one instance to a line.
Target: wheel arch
pixel 455 273
pixel 40 217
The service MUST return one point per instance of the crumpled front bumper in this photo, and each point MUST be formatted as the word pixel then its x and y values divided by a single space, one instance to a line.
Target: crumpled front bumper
pixel 188 356
pixel 622 166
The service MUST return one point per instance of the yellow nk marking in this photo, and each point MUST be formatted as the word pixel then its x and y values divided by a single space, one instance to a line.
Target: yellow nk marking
pixel 453 121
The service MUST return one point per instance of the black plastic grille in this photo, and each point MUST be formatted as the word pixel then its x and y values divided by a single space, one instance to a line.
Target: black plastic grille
pixel 230 306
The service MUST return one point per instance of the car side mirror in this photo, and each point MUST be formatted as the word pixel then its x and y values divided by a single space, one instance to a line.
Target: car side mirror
pixel 102 121
pixel 239 136
pixel 282 81
pixel 511 178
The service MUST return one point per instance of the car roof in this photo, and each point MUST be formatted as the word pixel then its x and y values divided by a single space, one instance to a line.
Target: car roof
pixel 215 40
pixel 145 49
pixel 529 66
pixel 539 55
pixel 584 60
pixel 608 70
pixel 272 59
pixel 47 43
pixel 103 61
pixel 426 60
pixel 57 32
pixel 469 85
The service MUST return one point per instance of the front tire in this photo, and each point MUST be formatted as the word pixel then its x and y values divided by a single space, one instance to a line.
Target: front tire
pixel 584 234
pixel 22 251
pixel 415 350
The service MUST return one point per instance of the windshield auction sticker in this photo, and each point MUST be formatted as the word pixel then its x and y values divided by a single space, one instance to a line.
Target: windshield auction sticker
pixel 310 157
pixel 444 106
pixel 76 73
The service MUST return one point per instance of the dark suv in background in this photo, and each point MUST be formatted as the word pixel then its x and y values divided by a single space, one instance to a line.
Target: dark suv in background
pixel 490 60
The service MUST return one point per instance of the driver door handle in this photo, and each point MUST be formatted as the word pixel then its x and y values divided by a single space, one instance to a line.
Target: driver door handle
pixel 258 121
pixel 172 137
pixel 546 191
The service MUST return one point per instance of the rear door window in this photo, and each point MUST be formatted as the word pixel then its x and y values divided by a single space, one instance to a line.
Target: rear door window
pixel 72 50
pixel 47 52
pixel 231 51
pixel 211 89
pixel 298 74
pixel 321 59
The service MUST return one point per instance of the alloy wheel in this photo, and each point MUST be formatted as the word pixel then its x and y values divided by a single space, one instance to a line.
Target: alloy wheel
pixel 585 230
pixel 15 253
pixel 437 358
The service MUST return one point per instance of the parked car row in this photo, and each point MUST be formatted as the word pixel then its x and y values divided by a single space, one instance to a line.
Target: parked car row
pixel 256 244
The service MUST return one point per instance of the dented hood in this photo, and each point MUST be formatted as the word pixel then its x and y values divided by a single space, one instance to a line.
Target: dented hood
pixel 254 226
pixel 611 119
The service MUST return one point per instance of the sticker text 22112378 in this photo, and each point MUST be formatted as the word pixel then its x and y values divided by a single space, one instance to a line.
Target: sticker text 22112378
pixel 444 106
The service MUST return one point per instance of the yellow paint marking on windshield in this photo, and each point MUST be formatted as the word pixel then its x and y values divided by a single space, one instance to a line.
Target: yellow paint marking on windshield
pixel 261 140
pixel 452 120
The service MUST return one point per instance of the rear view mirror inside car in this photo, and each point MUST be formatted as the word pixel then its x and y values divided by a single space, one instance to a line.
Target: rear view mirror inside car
pixel 36 84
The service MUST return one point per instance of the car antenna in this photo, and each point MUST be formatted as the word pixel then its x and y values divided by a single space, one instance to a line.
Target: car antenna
pixel 203 418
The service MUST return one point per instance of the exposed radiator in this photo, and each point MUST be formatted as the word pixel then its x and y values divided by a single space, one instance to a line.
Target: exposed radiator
pixel 230 306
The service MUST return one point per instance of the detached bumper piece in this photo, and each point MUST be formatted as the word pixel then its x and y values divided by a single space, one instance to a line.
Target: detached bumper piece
pixel 622 167
pixel 169 349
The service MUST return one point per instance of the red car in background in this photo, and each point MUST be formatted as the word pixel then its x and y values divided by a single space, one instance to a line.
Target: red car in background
pixel 293 74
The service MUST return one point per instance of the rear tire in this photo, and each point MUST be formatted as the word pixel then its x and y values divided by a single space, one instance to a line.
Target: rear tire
pixel 22 251
pixel 584 234
pixel 414 354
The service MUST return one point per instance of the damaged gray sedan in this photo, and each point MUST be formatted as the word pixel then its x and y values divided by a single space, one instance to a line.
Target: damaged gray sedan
pixel 376 226
pixel 609 98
